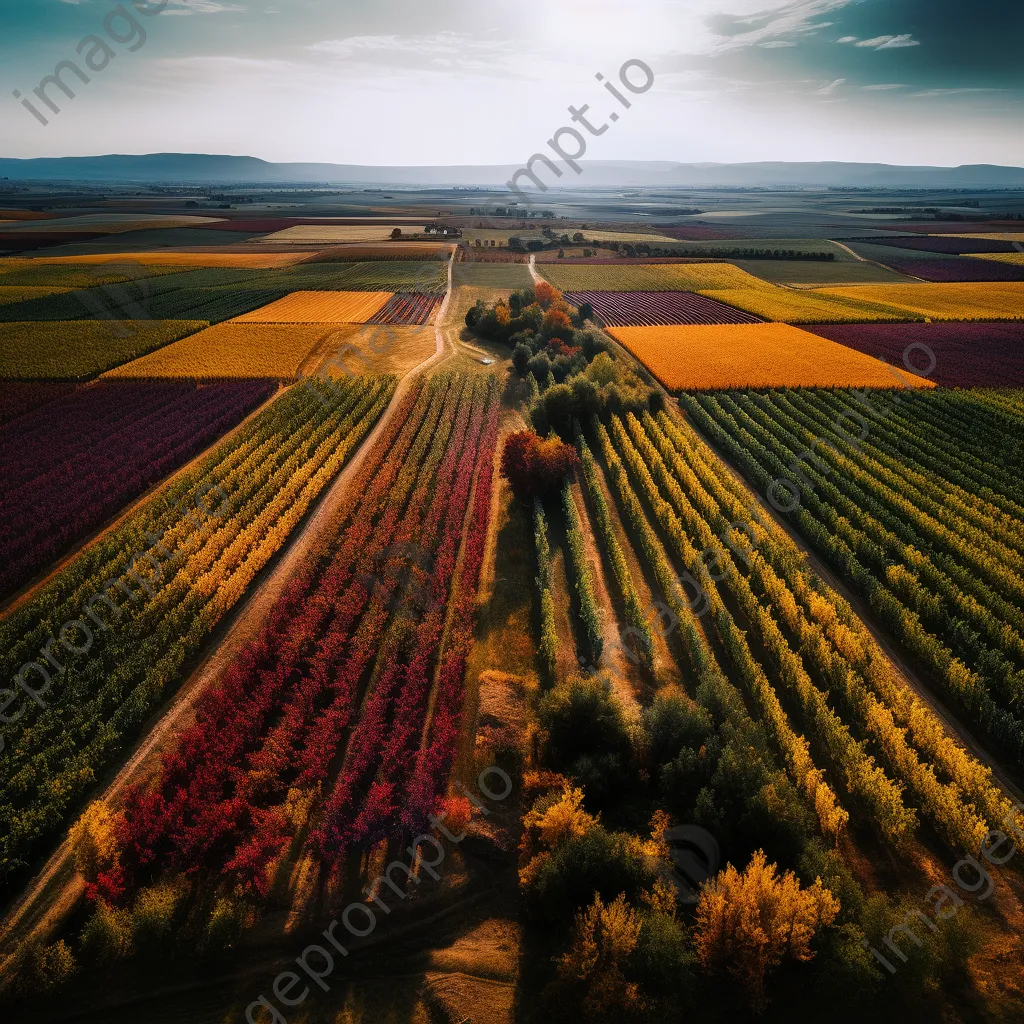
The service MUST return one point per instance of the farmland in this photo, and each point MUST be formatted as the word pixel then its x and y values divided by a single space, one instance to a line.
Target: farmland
pixel 65 351
pixel 172 258
pixel 407 309
pixel 647 309
pixel 101 447
pixel 976 301
pixel 986 355
pixel 918 517
pixel 755 356
pixel 838 306
pixel 655 278
pixel 936 268
pixel 232 350
pixel 708 547
pixel 319 307
pixel 381 661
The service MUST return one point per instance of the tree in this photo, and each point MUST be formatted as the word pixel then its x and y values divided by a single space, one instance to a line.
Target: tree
pixel 604 938
pixel 586 312
pixel 521 356
pixel 93 840
pixel 578 237
pixel 397 233
pixel 748 923
pixel 535 467
pixel 546 294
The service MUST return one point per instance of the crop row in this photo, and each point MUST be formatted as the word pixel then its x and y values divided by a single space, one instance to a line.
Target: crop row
pixel 650 309
pixel 334 693
pixel 861 718
pixel 98 449
pixel 937 555
pixel 138 604
pixel 407 309
pixel 582 575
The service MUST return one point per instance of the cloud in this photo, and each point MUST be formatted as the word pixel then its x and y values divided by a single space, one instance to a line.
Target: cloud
pixel 776 44
pixel 881 88
pixel 828 90
pixel 185 7
pixel 848 39
pixel 889 42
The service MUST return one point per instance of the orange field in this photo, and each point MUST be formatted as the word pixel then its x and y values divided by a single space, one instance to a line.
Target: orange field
pixel 755 356
pixel 240 260
pixel 318 308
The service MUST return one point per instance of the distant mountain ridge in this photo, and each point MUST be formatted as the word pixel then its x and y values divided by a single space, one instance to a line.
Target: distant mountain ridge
pixel 202 168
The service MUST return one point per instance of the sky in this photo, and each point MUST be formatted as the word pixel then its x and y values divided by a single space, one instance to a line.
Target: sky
pixel 409 82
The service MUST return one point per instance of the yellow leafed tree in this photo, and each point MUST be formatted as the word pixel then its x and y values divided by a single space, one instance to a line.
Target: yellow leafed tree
pixel 749 922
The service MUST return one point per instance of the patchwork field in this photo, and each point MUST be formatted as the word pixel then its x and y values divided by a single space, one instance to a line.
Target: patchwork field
pixel 99 448
pixel 988 355
pixel 1015 258
pixel 754 356
pixel 233 350
pixel 651 278
pixel 950 245
pixel 319 308
pixel 810 307
pixel 389 251
pixel 647 309
pixel 243 260
pixel 315 234
pixel 974 301
pixel 358 349
pixel 819 273
pixel 82 348
pixel 492 275
pixel 936 267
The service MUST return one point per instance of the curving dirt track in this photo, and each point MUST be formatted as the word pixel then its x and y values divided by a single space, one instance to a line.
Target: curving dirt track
pixel 54 891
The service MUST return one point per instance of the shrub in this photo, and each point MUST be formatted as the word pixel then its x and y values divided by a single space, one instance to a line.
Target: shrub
pixel 36 968
pixel 93 840
pixel 107 935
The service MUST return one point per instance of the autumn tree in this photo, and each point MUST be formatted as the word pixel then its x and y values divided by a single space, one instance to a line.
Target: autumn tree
pixel 546 294
pixel 604 938
pixel 749 922
pixel 396 233
pixel 534 466
pixel 93 840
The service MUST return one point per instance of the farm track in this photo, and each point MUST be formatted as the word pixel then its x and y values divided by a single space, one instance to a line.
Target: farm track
pixel 57 887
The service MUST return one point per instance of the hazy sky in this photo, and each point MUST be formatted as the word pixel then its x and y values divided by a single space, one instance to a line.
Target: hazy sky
pixel 488 81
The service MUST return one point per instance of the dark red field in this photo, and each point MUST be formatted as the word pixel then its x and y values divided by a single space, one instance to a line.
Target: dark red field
pixel 945 246
pixel 966 355
pixel 651 309
pixel 407 310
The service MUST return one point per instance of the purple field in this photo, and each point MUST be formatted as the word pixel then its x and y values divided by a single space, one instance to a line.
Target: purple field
pixel 938 267
pixel 67 466
pixel 20 397
pixel 656 309
pixel 944 246
pixel 967 355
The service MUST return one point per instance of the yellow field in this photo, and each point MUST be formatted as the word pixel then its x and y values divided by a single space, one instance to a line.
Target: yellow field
pixel 653 277
pixel 235 350
pixel 20 294
pixel 624 236
pixel 755 355
pixel 240 260
pixel 996 236
pixel 318 308
pixel 119 223
pixel 973 301
pixel 1001 257
pixel 313 233
pixel 806 306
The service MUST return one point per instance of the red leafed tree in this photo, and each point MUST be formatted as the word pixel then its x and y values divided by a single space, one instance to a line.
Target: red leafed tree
pixel 546 294
pixel 534 466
